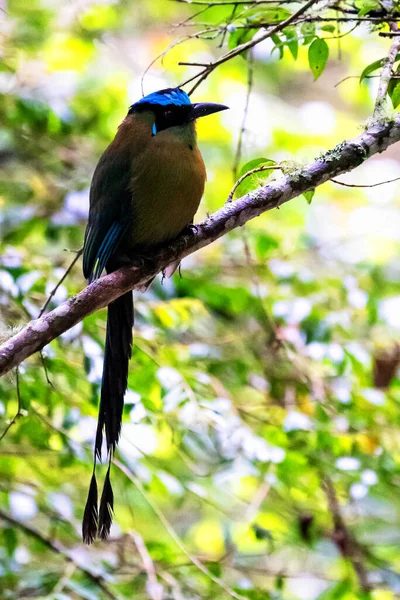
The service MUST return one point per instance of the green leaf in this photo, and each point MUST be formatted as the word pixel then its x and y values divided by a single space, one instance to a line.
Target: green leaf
pixel 253 181
pixel 279 582
pixel 308 32
pixel 253 164
pixel 395 97
pixel 309 196
pixel 373 310
pixel 336 591
pixel 265 244
pixel 268 15
pixel 377 64
pixel 394 92
pixel 329 28
pixel 84 591
pixel 318 53
pixel 10 540
pixel 240 36
pixel 215 569
pixel 366 6
pixel 278 44
pixel 261 533
pixel 291 41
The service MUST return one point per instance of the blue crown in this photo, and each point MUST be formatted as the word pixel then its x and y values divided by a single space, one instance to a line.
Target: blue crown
pixel 174 96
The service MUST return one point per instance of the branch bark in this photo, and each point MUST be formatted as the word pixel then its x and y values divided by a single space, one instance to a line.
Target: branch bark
pixel 344 157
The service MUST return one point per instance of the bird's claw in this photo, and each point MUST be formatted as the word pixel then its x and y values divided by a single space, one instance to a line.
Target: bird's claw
pixel 190 229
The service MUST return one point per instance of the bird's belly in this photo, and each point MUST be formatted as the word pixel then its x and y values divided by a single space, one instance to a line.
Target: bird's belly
pixel 165 196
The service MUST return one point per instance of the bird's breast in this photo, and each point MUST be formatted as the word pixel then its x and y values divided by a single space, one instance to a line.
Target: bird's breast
pixel 167 184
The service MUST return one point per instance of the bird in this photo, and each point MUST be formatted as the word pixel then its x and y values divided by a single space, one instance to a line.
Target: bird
pixel 145 190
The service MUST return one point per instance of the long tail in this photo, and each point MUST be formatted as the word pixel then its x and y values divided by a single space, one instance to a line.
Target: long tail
pixel 118 350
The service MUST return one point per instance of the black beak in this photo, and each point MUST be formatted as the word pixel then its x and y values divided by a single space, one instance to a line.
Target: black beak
pixel 202 109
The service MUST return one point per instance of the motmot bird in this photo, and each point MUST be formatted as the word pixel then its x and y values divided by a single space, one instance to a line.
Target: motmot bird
pixel 145 190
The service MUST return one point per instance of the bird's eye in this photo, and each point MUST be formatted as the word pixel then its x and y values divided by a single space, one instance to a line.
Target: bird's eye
pixel 168 114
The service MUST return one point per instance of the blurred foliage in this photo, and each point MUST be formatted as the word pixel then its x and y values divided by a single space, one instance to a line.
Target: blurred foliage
pixel 260 450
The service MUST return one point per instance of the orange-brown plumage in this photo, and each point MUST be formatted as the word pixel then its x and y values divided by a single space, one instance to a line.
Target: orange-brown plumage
pixel 165 181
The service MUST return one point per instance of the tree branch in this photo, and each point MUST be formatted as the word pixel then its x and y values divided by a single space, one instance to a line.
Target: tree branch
pixel 344 157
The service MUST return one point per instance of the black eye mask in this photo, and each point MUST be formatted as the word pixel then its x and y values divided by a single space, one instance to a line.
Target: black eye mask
pixel 170 116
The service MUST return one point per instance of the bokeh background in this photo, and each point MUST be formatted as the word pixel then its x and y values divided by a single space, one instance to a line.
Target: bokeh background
pixel 254 404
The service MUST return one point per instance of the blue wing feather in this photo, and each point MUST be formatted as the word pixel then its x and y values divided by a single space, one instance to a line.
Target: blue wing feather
pixel 107 247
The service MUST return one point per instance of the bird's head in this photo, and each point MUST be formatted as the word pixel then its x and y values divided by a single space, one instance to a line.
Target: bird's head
pixel 172 108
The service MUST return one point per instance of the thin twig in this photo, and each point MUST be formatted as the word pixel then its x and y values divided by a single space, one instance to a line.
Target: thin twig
pixel 47 302
pixel 225 31
pixel 339 36
pixel 354 77
pixel 317 19
pixel 54 290
pixel 238 153
pixel 251 172
pixel 46 373
pixel 342 537
pixel 314 19
pixel 197 14
pixel 247 45
pixel 160 56
pixel 193 64
pixel 63 581
pixel 358 185
pixel 19 409
pixel 155 592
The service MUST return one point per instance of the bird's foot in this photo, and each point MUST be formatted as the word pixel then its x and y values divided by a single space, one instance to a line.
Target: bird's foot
pixel 171 268
pixel 190 229
pixel 137 260
pixel 145 263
